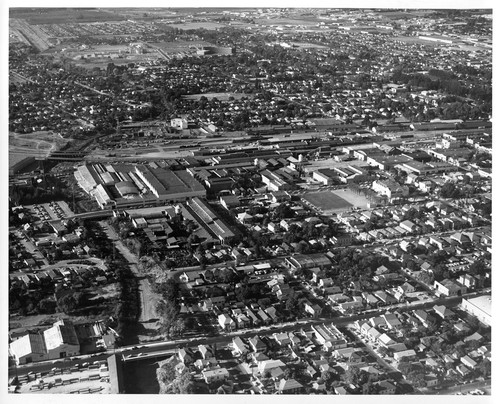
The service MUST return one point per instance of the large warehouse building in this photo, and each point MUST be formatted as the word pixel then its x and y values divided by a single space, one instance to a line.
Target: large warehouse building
pixel 479 307
pixel 128 185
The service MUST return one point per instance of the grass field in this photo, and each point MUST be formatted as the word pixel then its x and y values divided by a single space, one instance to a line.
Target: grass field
pixel 335 201
pixel 327 200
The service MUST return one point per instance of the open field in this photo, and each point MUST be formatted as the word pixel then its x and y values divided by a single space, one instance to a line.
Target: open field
pixel 198 25
pixel 29 34
pixel 305 45
pixel 174 46
pixel 335 201
pixel 38 144
pixel 62 15
pixel 327 201
pixel 359 201
pixel 219 96
pixel 286 21
pixel 416 40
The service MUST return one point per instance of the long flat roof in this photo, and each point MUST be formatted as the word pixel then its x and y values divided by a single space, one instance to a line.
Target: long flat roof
pixel 482 302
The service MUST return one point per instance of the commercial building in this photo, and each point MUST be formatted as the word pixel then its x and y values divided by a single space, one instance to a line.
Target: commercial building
pixel 29 348
pixel 59 341
pixel 329 336
pixel 205 216
pixel 480 307
pixel 390 188
pixel 302 261
pixel 128 185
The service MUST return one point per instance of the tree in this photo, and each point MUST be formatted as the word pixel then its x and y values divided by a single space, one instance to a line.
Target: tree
pixel 328 377
pixel 484 368
pixel 478 268
pixel 166 373
pixel 46 306
pixel 353 375
pixel 178 327
pixel 70 302
pixel 450 190
pixel 283 211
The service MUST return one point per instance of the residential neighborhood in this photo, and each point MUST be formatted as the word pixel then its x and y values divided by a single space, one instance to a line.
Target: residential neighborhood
pixel 250 201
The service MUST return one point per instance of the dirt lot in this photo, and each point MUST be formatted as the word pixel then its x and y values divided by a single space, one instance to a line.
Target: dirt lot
pixel 38 144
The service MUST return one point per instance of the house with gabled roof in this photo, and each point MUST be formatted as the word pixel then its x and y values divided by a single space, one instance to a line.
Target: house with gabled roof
pixel 461 326
pixel 384 297
pixel 282 338
pixel 398 347
pixel 185 355
pixel 272 313
pixel 202 364
pixel 331 290
pixel 239 346
pixel 462 370
pixel 376 321
pixel 226 322
pixel 313 309
pixel 391 320
pixel 263 317
pixel 474 337
pixel 214 375
pixel 468 281
pixel 409 353
pixel 208 304
pixel 422 316
pixel 468 361
pixel 338 298
pixel 290 386
pixel 448 287
pixel 373 334
pixel 205 351
pixel 443 311
pixel 370 299
pixel 268 365
pixel 257 344
pixel 365 328
pixel 341 390
pixel 385 340
pixel 406 288
pixel 409 226
pixel 351 306
pixel 385 387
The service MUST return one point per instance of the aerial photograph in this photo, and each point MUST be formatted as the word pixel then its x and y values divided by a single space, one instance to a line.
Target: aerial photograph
pixel 249 200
